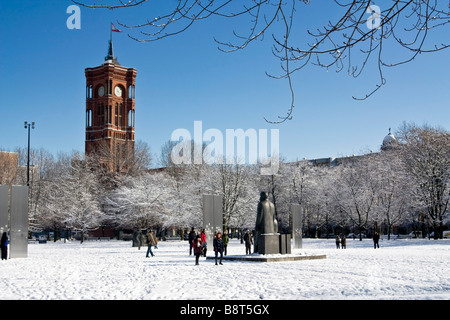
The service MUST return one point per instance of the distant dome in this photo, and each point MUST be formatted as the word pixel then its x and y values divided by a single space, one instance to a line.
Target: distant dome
pixel 389 141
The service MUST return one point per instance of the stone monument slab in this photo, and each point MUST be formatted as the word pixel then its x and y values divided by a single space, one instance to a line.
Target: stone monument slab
pixel 285 243
pixel 212 216
pixel 19 222
pixel 297 225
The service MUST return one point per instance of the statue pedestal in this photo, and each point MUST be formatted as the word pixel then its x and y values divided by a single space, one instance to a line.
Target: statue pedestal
pixel 269 243
pixel 274 243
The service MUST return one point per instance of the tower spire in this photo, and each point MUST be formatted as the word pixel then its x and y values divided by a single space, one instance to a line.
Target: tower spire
pixel 110 55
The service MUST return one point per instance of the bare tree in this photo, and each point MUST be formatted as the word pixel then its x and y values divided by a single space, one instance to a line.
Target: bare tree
pixel 355 191
pixel 142 201
pixel 232 181
pixel 69 196
pixel 346 43
pixel 310 189
pixel 394 190
pixel 130 161
pixel 426 153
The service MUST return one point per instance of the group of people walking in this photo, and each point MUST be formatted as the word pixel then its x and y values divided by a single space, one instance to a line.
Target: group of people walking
pixel 342 242
pixel 198 245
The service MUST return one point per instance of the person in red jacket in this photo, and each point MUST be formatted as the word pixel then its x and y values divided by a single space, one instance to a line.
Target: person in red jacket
pixel 203 238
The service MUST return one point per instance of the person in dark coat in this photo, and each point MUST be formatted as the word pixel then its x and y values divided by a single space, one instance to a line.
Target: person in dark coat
pixel 338 241
pixel 198 248
pixel 218 246
pixel 191 240
pixel 248 242
pixel 343 242
pixel 4 246
pixel 376 238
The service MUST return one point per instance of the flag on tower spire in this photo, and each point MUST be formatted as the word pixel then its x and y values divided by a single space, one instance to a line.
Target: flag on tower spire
pixel 114 29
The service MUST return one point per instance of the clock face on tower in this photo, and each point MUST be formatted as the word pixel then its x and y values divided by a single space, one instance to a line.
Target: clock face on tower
pixel 118 91
pixel 101 91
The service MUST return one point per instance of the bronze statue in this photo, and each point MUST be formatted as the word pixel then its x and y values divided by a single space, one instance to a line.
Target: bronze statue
pixel 266 222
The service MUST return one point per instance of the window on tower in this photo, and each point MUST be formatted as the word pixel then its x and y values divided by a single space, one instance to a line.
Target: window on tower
pixel 131 118
pixel 116 114
pixel 101 114
pixel 89 91
pixel 131 92
pixel 88 118
pixel 120 115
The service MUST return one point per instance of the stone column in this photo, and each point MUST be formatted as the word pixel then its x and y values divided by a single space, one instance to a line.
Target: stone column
pixel 285 243
pixel 19 222
pixel 212 216
pixel 297 225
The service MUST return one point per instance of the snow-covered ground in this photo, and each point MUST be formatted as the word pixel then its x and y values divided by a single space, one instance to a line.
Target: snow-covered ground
pixel 106 270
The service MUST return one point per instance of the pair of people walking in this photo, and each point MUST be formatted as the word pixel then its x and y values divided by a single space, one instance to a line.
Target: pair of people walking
pixel 193 238
pixel 341 243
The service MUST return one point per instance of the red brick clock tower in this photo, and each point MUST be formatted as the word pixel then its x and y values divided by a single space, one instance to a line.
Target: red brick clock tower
pixel 110 112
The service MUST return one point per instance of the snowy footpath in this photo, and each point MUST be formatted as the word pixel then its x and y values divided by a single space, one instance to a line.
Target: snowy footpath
pixel 414 269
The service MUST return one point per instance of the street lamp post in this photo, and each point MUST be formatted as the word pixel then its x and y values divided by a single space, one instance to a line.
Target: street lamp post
pixel 28 126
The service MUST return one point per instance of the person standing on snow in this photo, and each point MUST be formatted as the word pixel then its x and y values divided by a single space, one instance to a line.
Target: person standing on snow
pixel 376 238
pixel 218 246
pixel 343 242
pixel 338 241
pixel 150 242
pixel 248 242
pixel 203 238
pixel 4 246
pixel 191 240
pixel 198 248
pixel 226 239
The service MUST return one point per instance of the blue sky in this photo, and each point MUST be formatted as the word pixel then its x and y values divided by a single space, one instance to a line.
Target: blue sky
pixel 185 78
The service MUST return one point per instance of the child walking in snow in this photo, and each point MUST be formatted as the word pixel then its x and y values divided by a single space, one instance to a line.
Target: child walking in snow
pixel 198 248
